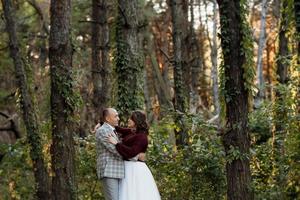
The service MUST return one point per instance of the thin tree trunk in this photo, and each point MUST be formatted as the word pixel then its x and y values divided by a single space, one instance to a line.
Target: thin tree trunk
pixel 214 59
pixel 62 100
pixel 195 63
pixel 42 186
pixel 205 85
pixel 269 47
pixel 183 6
pixel 236 137
pixel 180 100
pixel 164 95
pixel 297 19
pixel 260 52
pixel 100 57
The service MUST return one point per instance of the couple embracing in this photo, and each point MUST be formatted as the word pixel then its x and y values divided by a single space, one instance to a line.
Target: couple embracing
pixel 120 155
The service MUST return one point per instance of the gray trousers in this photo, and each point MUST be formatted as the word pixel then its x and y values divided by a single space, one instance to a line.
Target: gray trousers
pixel 110 188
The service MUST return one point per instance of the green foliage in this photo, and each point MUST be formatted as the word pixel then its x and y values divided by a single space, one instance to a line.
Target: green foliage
pixel 247 50
pixel 195 172
pixel 72 98
pixel 268 167
pixel 88 184
pixel 16 172
pixel 260 123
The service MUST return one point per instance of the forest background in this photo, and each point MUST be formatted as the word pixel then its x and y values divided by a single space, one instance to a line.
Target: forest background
pixel 218 80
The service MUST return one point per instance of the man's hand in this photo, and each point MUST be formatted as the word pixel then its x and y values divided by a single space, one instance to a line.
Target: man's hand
pixel 111 139
pixel 142 157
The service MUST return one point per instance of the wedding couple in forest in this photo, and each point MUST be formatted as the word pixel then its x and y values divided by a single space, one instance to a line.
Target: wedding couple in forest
pixel 120 156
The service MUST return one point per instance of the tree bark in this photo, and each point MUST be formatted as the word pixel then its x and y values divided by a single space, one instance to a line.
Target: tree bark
pixel 297 19
pixel 214 60
pixel 183 7
pixel 260 52
pixel 236 137
pixel 101 70
pixel 41 176
pixel 163 92
pixel 127 58
pixel 281 113
pixel 160 59
pixel 62 100
pixel 194 63
pixel 180 99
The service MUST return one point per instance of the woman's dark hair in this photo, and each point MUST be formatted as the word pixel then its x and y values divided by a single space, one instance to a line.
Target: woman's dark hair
pixel 140 121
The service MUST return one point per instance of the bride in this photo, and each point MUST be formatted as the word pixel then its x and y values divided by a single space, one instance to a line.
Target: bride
pixel 138 182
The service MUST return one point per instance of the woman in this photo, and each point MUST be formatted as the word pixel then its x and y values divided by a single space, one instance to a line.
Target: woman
pixel 138 182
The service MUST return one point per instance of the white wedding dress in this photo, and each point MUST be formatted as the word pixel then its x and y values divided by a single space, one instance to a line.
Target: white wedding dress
pixel 138 183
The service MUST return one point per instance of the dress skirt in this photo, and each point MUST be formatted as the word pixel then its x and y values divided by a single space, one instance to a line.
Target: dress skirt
pixel 138 183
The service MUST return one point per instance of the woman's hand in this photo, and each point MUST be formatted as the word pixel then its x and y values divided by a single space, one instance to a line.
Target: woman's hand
pixel 112 140
pixel 95 128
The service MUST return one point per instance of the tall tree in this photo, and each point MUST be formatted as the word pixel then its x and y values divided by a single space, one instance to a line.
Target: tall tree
pixel 29 115
pixel 282 64
pixel 194 62
pixel 297 19
pixel 260 52
pixel 160 58
pixel 214 61
pixel 180 98
pixel 281 112
pixel 62 100
pixel 236 139
pixel 127 58
pixel 100 56
pixel 183 8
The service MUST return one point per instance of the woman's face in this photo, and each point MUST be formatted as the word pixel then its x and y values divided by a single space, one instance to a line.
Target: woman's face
pixel 131 123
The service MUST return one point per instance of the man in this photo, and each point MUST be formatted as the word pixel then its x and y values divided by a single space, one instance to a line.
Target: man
pixel 110 164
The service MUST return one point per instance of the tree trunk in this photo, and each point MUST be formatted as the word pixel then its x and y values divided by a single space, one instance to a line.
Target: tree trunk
pixel 159 51
pixel 163 91
pixel 260 52
pixel 100 57
pixel 214 60
pixel 62 100
pixel 127 59
pixel 236 139
pixel 29 115
pixel 194 63
pixel 281 113
pixel 183 7
pixel 297 19
pixel 180 99
pixel 203 37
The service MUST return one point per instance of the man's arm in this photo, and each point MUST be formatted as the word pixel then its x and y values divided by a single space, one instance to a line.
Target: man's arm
pixel 101 136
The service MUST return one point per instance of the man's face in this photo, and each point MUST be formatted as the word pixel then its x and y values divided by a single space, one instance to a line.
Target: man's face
pixel 113 117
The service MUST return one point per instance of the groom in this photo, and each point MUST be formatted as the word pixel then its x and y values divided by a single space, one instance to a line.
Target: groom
pixel 110 164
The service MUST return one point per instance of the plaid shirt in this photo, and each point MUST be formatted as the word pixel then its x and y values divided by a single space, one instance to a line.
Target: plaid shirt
pixel 109 162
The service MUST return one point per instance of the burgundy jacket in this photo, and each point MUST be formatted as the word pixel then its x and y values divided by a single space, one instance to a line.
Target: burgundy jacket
pixel 132 143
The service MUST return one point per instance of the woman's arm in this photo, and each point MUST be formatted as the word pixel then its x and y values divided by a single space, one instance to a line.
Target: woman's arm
pixel 124 131
pixel 139 146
